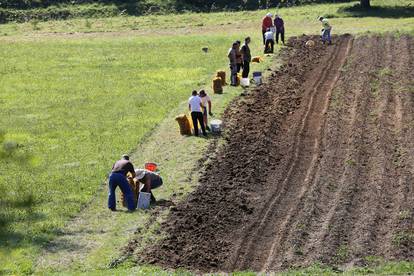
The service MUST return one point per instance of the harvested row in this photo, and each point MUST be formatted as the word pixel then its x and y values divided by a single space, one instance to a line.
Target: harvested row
pixel 318 165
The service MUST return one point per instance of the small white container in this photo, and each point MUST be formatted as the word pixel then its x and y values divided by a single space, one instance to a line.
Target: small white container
pixel 144 200
pixel 245 82
pixel 216 126
pixel 257 77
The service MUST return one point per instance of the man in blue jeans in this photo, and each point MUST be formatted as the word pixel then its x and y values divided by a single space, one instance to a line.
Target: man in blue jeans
pixel 117 178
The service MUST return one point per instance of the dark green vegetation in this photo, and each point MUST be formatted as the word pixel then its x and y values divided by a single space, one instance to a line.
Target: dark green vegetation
pixel 24 10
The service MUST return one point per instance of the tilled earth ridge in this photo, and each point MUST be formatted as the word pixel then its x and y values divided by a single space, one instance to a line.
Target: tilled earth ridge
pixel 318 165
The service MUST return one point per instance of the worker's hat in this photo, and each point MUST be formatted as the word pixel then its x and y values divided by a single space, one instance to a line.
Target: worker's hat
pixel 140 173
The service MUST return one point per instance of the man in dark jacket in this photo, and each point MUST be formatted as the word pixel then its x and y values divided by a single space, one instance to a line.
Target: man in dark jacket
pixel 280 29
pixel 247 57
pixel 117 178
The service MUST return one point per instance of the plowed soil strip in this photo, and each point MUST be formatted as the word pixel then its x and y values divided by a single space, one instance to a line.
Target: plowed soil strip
pixel 317 166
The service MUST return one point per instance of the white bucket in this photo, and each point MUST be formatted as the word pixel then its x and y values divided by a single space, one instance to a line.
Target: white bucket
pixel 258 80
pixel 245 82
pixel 257 77
pixel 216 126
pixel 144 200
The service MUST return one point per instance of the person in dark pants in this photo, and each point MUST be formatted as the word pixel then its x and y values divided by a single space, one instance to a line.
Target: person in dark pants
pixel 239 57
pixel 232 55
pixel 195 106
pixel 280 29
pixel 118 177
pixel 247 57
pixel 150 180
pixel 270 42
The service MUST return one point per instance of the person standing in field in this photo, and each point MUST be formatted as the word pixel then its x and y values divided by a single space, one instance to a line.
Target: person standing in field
pixel 232 55
pixel 247 57
pixel 206 102
pixel 195 106
pixel 118 177
pixel 267 23
pixel 270 42
pixel 239 57
pixel 326 30
pixel 280 29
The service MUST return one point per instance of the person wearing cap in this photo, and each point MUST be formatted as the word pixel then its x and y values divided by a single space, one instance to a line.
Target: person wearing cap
pixel 150 180
pixel 232 55
pixel 280 29
pixel 326 30
pixel 270 41
pixel 195 106
pixel 247 57
pixel 206 101
pixel 267 23
pixel 118 177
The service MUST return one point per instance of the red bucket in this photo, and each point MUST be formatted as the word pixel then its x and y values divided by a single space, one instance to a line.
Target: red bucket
pixel 151 167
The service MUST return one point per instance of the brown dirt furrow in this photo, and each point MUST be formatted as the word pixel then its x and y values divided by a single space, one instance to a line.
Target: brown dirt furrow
pixel 341 186
pixel 257 243
pixel 317 165
pixel 317 122
pixel 376 200
pixel 399 235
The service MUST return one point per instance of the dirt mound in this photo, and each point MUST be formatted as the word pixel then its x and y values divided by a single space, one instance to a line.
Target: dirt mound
pixel 318 165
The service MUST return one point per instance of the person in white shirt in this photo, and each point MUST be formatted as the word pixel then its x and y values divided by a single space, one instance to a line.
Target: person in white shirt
pixel 270 41
pixel 195 106
pixel 206 101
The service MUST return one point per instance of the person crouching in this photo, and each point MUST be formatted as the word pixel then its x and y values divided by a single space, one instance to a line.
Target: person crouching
pixel 270 42
pixel 150 180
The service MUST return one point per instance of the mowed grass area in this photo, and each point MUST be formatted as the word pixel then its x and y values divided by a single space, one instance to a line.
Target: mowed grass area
pixel 75 106
pixel 74 103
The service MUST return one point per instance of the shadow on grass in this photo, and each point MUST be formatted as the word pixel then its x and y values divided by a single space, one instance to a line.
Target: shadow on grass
pixel 19 210
pixel 378 11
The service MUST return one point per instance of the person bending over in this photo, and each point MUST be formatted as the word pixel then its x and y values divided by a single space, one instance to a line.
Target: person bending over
pixel 270 42
pixel 150 180
pixel 118 177
pixel 326 30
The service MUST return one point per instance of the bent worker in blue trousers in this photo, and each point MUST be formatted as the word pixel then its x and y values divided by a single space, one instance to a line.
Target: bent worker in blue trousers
pixel 117 178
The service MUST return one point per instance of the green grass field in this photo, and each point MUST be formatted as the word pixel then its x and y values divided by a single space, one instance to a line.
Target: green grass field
pixel 77 94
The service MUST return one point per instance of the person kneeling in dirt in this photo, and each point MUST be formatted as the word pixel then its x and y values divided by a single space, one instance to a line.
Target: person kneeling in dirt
pixel 326 31
pixel 270 42
pixel 118 177
pixel 150 180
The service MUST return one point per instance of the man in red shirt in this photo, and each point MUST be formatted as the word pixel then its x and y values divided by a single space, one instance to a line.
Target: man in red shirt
pixel 267 23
